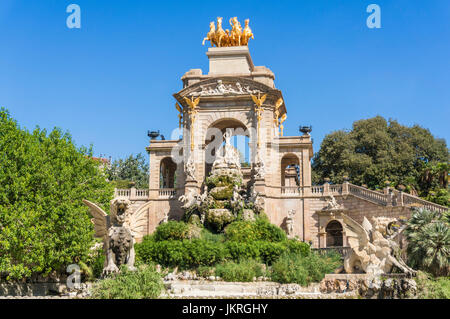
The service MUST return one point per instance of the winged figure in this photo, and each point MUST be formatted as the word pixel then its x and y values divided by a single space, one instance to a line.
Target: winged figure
pixel 371 250
pixel 119 231
pixel 192 103
pixel 259 100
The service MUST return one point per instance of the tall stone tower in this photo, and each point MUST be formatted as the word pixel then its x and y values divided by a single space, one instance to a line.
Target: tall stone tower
pixel 227 97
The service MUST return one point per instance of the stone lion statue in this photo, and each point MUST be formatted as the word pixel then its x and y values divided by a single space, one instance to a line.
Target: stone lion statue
pixel 372 251
pixel 119 230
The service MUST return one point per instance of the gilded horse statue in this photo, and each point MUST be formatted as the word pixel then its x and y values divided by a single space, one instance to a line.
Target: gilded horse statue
pixel 247 33
pixel 211 34
pixel 219 37
pixel 236 32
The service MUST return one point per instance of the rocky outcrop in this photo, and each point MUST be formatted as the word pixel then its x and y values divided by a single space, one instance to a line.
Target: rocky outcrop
pixel 372 287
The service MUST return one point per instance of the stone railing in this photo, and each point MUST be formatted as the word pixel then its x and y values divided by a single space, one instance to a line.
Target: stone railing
pixel 290 191
pixel 122 192
pixel 336 189
pixel 167 192
pixel 413 201
pixel 132 193
pixel 368 194
pixel 316 190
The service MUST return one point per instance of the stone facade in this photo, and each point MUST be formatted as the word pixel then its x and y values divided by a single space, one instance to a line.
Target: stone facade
pixel 225 99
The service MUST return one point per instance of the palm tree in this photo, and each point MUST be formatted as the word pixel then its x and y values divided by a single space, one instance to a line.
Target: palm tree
pixel 428 235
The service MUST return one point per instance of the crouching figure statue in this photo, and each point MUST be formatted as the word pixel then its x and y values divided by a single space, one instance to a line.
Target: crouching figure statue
pixel 118 231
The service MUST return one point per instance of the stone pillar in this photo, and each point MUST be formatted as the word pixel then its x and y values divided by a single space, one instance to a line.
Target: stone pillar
pixel 326 189
pixel 306 169
pixel 345 190
pixel 133 193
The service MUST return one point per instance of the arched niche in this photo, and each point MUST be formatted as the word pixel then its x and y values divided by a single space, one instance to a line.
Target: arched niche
pixel 241 138
pixel 167 172
pixel 290 171
pixel 334 234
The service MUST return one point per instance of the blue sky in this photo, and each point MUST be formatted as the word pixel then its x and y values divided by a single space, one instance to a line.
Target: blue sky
pixel 112 80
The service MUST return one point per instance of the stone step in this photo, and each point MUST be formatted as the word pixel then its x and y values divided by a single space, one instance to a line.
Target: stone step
pixel 220 289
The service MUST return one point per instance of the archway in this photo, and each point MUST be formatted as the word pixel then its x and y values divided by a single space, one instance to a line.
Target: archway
pixel 334 234
pixel 167 177
pixel 290 171
pixel 214 141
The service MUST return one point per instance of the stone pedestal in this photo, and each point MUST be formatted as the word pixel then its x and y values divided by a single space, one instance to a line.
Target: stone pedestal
pixel 260 186
pixel 230 60
pixel 191 184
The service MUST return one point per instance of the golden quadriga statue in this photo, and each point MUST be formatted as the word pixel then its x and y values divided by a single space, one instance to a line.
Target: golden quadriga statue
pixel 226 38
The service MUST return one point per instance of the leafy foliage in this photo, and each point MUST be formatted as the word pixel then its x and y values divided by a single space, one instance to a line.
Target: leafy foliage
pixel 293 268
pixel 243 271
pixel 248 231
pixel 125 172
pixel 429 287
pixel 428 235
pixel 145 283
pixel 44 226
pixel 172 230
pixel 376 150
pixel 185 254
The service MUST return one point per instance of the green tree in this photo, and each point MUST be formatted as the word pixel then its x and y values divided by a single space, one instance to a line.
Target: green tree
pixel 44 226
pixel 428 235
pixel 376 150
pixel 133 169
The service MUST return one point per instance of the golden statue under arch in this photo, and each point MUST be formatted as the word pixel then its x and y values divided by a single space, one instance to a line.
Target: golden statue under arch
pixel 219 37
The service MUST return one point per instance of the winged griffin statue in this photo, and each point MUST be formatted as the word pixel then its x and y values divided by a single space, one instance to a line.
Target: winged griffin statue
pixel 373 249
pixel 119 231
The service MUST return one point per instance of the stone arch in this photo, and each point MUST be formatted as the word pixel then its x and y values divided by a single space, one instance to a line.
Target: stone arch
pixel 167 171
pixel 290 170
pixel 215 117
pixel 221 125
pixel 334 232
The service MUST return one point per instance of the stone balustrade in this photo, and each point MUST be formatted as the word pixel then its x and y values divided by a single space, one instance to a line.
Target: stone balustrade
pixel 317 190
pixel 132 193
pixel 373 196
pixel 167 192
pixel 290 191
pixel 409 200
pixel 395 198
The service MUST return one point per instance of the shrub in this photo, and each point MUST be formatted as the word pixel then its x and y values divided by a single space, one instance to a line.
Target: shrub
pixel 293 268
pixel 432 288
pixel 288 269
pixel 211 237
pixel 241 231
pixel 248 231
pixel 172 230
pixel 242 251
pixel 297 247
pixel 184 254
pixel 145 283
pixel 243 271
pixel 270 252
